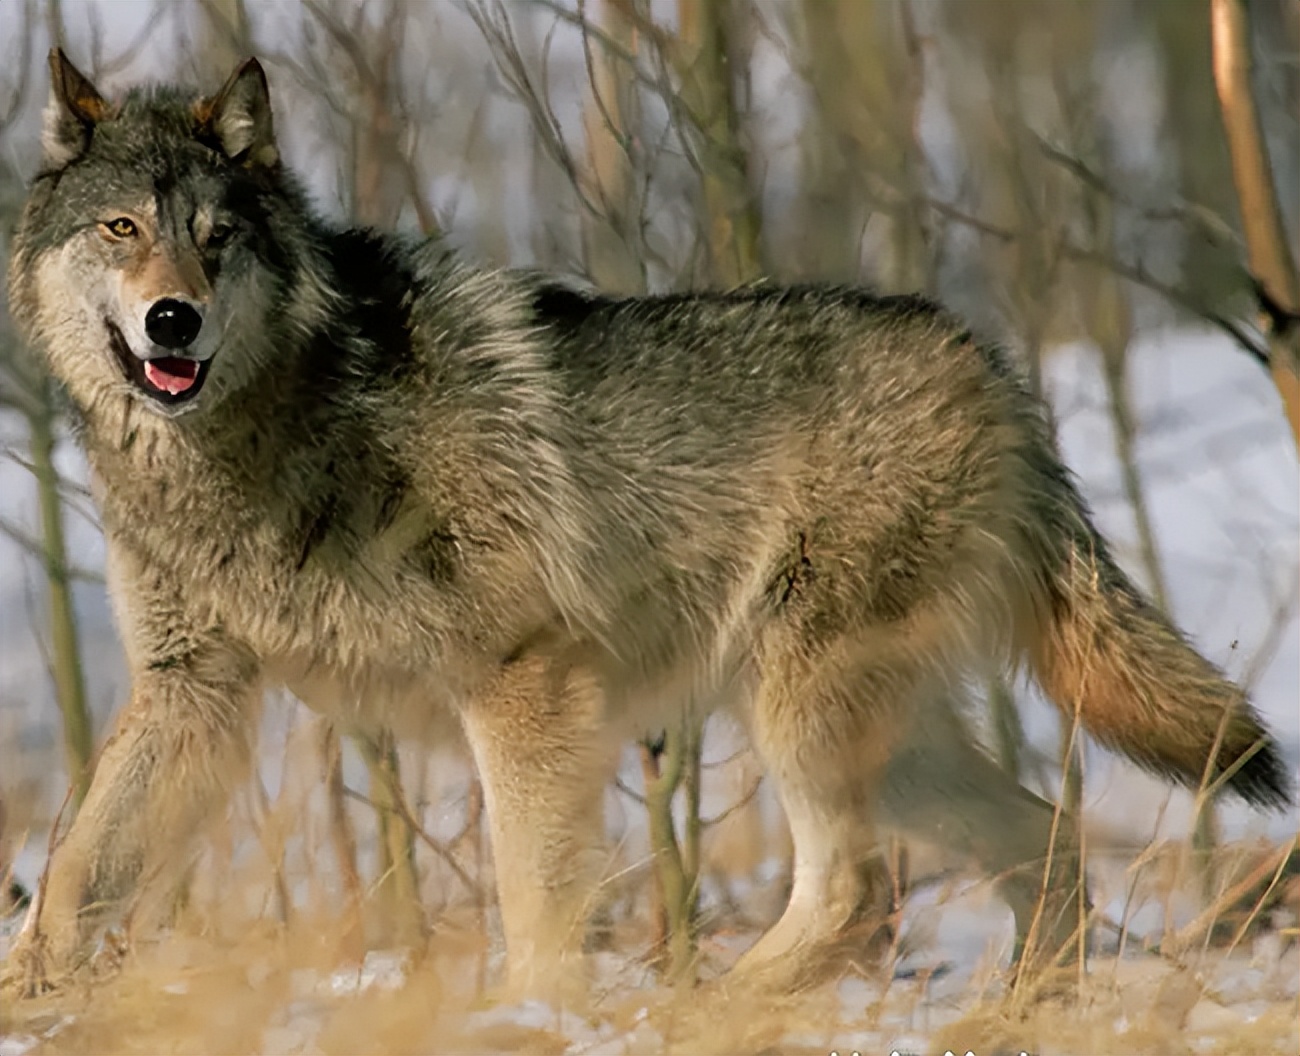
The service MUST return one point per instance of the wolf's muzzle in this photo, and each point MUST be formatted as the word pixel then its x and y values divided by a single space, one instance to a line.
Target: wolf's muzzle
pixel 170 381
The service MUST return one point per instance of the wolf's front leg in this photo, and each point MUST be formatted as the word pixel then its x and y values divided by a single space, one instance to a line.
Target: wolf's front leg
pixel 537 738
pixel 182 742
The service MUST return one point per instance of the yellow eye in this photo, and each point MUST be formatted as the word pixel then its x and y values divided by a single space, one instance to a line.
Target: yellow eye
pixel 121 227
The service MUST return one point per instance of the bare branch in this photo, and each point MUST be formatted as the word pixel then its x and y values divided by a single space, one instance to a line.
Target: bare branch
pixel 36 548
pixel 403 810
pixel 1200 217
pixel 742 802
pixel 1135 273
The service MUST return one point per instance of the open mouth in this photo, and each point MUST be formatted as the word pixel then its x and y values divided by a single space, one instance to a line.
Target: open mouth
pixel 171 380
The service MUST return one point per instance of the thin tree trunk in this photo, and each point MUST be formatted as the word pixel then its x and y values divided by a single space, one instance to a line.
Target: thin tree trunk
pixel 611 121
pixel 704 62
pixel 398 884
pixel 667 771
pixel 832 209
pixel 1267 248
pixel 692 734
pixel 226 36
pixel 65 647
pixel 649 757
pixel 1115 370
pixel 343 839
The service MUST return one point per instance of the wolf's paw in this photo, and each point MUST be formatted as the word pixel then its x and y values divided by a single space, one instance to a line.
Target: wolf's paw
pixel 37 965
pixel 29 970
pixel 563 984
pixel 866 946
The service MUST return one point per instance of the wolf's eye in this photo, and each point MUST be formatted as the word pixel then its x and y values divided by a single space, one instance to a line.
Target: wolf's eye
pixel 121 227
pixel 220 235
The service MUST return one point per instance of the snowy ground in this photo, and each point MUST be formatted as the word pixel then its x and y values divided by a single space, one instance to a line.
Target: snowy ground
pixel 272 995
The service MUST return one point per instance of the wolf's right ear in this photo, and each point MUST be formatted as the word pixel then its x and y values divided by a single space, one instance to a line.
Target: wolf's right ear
pixel 74 109
pixel 238 118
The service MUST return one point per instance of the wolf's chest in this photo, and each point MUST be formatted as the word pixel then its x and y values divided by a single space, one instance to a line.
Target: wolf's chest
pixel 342 601
pixel 334 590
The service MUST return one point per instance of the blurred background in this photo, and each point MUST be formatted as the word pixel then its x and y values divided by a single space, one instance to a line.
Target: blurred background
pixel 1056 170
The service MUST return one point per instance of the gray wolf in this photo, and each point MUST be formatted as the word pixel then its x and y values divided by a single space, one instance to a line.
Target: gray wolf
pixel 344 462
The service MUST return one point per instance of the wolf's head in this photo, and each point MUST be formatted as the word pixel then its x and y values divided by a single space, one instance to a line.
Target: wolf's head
pixel 163 257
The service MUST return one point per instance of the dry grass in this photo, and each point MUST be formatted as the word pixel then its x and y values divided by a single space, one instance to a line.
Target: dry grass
pixel 268 988
pixel 268 954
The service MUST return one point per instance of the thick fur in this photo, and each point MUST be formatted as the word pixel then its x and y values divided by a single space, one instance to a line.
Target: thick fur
pixel 407 483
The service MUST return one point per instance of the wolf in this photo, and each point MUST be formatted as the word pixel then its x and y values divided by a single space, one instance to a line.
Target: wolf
pixel 348 463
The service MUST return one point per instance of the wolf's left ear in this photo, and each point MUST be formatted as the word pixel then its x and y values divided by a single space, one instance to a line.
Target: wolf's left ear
pixel 74 109
pixel 238 118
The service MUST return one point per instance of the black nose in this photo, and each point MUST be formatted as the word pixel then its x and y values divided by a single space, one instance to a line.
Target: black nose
pixel 172 323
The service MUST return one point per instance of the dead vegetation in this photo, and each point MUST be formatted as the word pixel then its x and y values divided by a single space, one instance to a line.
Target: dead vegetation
pixel 239 970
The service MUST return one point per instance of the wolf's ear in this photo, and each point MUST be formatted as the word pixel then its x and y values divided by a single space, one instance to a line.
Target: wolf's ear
pixel 74 109
pixel 238 118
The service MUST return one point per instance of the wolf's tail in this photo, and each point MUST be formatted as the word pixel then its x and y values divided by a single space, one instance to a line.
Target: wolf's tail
pixel 1101 651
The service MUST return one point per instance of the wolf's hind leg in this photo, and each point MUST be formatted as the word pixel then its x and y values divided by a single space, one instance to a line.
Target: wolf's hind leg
pixel 825 734
pixel 941 787
pixel 544 760
pixel 177 749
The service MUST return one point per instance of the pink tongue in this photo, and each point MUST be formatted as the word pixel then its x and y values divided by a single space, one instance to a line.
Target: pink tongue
pixel 171 374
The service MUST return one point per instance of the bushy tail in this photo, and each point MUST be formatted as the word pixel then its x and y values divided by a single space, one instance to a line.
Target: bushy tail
pixel 1102 651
